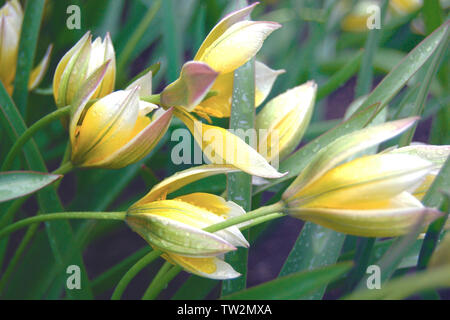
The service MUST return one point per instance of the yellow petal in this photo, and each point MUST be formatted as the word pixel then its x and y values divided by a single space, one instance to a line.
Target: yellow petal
pixel 222 147
pixel 285 119
pixel 344 147
pixel 368 223
pixel 181 179
pixel 212 268
pixel 264 80
pixel 106 127
pixel 357 183
pixel 9 44
pixel 37 74
pixel 223 25
pixel 237 45
pixel 402 7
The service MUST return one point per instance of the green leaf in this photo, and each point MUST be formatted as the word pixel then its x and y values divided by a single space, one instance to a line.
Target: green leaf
pixel 294 286
pixel 171 39
pixel 59 232
pixel 16 184
pixel 239 184
pixel 27 50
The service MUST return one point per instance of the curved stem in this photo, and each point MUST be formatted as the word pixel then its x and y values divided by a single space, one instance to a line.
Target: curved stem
pixel 62 215
pixel 134 270
pixel 153 291
pixel 20 142
pixel 162 271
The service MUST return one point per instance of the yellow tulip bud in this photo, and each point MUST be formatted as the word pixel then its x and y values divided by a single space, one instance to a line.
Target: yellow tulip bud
pixel 78 64
pixel 176 226
pixel 116 130
pixel 11 17
pixel 369 196
pixel 285 119
pixel 356 19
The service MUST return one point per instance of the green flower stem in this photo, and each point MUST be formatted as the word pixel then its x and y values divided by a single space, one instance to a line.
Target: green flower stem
pixel 154 283
pixel 20 142
pixel 154 98
pixel 134 270
pixel 153 291
pixel 60 216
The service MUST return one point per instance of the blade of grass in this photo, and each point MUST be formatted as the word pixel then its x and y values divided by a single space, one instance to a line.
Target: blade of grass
pixel 365 74
pixel 27 50
pixel 171 39
pixel 432 15
pixel 430 69
pixel 239 184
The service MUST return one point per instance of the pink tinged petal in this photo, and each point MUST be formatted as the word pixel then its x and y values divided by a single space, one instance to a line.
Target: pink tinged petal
pixel 139 146
pixel 223 25
pixel 368 223
pixel 181 179
pixel 83 96
pixel 38 73
pixel 344 147
pixel 189 90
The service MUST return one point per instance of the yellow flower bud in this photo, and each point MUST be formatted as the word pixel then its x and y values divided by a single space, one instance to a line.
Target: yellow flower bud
pixel 285 119
pixel 369 196
pixel 79 63
pixel 116 130
pixel 11 17
pixel 175 226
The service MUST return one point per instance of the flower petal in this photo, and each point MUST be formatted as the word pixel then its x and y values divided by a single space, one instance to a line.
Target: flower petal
pixel 223 25
pixel 191 87
pixel 238 44
pixel 37 74
pixel 106 127
pixel 139 145
pixel 172 235
pixel 212 268
pixel 264 79
pixel 181 179
pixel 358 183
pixel 368 223
pixel 285 119
pixel 344 147
pixel 222 147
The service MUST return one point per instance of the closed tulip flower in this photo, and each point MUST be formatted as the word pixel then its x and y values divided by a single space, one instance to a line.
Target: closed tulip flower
pixel 11 17
pixel 369 196
pixel 285 119
pixel 229 45
pixel 116 130
pixel 79 63
pixel 175 226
